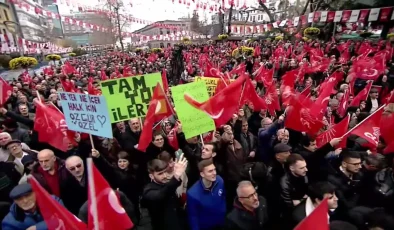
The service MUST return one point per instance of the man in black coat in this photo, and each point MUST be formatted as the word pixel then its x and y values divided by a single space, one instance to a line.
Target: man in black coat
pixel 250 209
pixel 159 196
pixel 316 194
pixel 347 180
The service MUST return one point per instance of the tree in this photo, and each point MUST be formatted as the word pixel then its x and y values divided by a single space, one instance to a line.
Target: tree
pixel 271 15
pixel 118 20
pixel 200 27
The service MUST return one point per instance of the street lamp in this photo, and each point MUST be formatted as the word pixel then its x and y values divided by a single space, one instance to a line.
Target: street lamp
pixel 15 29
pixel 89 32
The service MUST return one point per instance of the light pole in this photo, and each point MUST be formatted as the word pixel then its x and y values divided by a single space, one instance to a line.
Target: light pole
pixel 89 32
pixel 15 29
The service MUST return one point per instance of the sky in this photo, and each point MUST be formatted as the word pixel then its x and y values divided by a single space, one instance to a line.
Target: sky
pixel 152 10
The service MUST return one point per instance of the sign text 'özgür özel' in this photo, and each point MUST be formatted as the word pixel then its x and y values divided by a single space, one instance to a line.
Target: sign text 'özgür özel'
pixel 86 113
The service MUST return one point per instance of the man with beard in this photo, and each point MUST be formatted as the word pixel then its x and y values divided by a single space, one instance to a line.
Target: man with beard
pixel 206 201
pixel 160 198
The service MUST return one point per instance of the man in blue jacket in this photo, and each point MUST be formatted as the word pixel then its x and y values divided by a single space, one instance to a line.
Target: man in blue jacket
pixel 24 214
pixel 206 201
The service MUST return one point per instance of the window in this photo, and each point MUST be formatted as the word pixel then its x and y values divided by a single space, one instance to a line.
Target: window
pixel 6 15
pixel 161 45
pixel 168 32
pixel 161 31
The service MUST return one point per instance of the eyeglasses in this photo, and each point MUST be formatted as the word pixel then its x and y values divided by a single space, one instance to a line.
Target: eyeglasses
pixel 250 196
pixel 75 167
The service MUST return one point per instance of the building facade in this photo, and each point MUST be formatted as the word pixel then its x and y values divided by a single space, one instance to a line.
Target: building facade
pixel 183 24
pixel 33 26
pixel 86 36
pixel 6 14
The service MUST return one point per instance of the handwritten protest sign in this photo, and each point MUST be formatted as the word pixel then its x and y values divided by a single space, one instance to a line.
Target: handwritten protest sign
pixel 211 84
pixel 129 97
pixel 86 113
pixel 194 122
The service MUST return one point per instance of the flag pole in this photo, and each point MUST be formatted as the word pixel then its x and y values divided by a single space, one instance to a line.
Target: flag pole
pixel 92 194
pixel 381 107
pixel 202 140
pixel 141 124
pixel 91 141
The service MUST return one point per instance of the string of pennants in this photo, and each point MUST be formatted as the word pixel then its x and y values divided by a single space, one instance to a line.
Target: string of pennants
pixel 346 16
pixel 72 21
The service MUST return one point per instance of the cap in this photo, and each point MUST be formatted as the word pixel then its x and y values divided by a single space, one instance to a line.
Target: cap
pixel 20 190
pixel 27 159
pixel 280 148
pixel 12 142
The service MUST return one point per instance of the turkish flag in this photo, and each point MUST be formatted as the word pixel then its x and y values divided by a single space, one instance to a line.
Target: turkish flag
pixel 369 128
pixel 336 131
pixel 223 105
pixel 271 99
pixel 250 94
pixel 6 91
pixel 239 69
pixel 68 86
pixel 317 220
pixel 362 95
pixel 105 210
pixel 265 75
pixel 287 86
pixel 103 75
pixel 91 89
pixel 343 104
pixel 300 118
pixel 163 109
pixel 172 138
pixel 386 130
pixel 56 216
pixel 51 126
pixel 147 132
pixel 222 84
pixel 321 102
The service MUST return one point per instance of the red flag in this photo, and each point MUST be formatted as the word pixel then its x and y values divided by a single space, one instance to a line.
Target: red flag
pixel 163 109
pixel 369 128
pixel 51 126
pixel 105 210
pixel 67 69
pixel 300 118
pixel 386 130
pixel 103 75
pixel 321 102
pixel 164 80
pixel 362 95
pixel 223 105
pixel 250 95
pixel 222 84
pixel 271 100
pixel 306 91
pixel 336 131
pixel 6 91
pixel 147 132
pixel 56 216
pixel 317 220
pixel 240 69
pixel 172 138
pixel 265 75
pixel 343 104
pixel 68 86
pixel 91 89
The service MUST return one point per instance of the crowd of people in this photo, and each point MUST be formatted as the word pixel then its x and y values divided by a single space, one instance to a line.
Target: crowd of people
pixel 254 173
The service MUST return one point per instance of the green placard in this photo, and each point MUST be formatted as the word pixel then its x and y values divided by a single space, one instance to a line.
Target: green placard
pixel 129 97
pixel 194 122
